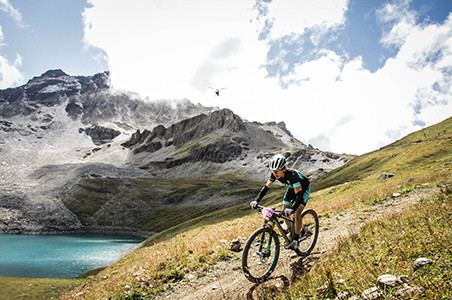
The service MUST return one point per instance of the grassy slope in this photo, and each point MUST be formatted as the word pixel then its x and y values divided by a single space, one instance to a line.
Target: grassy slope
pixel 154 204
pixel 388 246
pixel 414 159
pixel 195 245
pixel 35 288
pixel 408 157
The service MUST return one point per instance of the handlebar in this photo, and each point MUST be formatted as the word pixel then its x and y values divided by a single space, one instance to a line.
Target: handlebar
pixel 260 207
pixel 278 213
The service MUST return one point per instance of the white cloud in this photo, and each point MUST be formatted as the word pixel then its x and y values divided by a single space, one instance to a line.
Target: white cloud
pixel 160 48
pixel 295 16
pixel 6 6
pixel 172 49
pixel 9 72
pixel 403 19
pixel 384 105
pixel 433 114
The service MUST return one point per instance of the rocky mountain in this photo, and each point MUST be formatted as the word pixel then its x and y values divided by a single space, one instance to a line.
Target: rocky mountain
pixel 60 135
pixel 99 111
pixel 221 142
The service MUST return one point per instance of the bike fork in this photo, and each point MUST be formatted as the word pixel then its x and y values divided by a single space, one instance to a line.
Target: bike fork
pixel 261 245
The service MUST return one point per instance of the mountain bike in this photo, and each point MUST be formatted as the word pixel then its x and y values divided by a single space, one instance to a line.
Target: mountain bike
pixel 262 249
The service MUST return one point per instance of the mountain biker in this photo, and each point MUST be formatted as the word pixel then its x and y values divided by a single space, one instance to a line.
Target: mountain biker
pixel 296 195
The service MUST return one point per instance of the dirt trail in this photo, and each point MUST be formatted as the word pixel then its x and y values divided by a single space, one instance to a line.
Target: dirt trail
pixel 226 280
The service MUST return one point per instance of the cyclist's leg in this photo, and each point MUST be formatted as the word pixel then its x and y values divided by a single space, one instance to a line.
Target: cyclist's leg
pixel 284 207
pixel 298 221
pixel 289 198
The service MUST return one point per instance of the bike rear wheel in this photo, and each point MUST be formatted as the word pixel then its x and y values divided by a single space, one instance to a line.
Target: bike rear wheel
pixel 309 232
pixel 260 254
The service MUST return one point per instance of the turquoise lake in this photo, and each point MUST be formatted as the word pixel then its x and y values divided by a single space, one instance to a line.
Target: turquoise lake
pixel 60 256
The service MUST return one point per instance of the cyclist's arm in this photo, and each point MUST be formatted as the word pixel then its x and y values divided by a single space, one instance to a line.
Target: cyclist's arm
pixel 298 197
pixel 264 191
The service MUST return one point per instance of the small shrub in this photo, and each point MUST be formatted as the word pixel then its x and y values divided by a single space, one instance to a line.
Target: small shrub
pixel 223 255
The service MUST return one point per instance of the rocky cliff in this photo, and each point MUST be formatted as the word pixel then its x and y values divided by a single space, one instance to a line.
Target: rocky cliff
pixel 221 142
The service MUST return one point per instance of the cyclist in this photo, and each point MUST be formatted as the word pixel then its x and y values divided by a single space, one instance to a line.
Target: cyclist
pixel 296 195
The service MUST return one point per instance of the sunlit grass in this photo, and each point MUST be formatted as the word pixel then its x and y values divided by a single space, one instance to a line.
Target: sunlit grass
pixel 35 288
pixel 152 269
pixel 388 246
pixel 381 246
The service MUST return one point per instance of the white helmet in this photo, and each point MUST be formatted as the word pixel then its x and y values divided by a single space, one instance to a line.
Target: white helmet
pixel 277 163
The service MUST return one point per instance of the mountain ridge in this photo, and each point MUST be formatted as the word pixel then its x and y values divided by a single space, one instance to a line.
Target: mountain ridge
pixel 61 132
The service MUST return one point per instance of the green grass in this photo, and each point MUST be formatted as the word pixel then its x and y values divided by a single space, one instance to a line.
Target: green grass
pixel 35 288
pixel 414 155
pixel 89 195
pixel 154 204
pixel 215 217
pixel 388 246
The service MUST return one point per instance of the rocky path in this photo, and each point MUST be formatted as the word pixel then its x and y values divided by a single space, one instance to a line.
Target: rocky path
pixel 226 280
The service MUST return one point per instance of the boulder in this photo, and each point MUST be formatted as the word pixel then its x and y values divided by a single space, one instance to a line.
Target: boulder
pixel 372 294
pixel 388 280
pixel 410 291
pixel 342 296
pixel 422 262
pixel 100 135
pixel 384 176
pixel 235 245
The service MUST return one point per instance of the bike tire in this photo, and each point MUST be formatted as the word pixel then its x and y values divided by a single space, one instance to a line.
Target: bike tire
pixel 311 227
pixel 258 262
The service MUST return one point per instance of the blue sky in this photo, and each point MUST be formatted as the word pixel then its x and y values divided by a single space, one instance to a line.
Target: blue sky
pixel 344 75
pixel 49 34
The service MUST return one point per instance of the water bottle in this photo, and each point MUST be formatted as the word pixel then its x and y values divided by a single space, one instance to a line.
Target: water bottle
pixel 283 225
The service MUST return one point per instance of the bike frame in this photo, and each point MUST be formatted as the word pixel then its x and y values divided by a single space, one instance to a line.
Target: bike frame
pixel 274 221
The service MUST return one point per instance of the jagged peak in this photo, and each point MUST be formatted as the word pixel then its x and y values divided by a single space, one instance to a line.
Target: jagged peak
pixel 51 76
pixel 54 73
pixel 226 118
pixel 283 127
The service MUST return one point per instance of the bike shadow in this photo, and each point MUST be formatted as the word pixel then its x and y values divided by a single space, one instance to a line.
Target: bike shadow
pixel 276 284
pixel 302 265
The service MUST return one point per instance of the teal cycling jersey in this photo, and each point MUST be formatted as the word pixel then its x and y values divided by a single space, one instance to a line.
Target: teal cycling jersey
pixel 292 178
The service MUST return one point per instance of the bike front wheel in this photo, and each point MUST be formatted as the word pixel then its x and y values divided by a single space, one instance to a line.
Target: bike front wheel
pixel 309 232
pixel 260 254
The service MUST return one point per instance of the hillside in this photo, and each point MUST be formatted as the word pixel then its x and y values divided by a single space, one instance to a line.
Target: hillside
pixel 408 215
pixel 408 157
pixel 151 200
